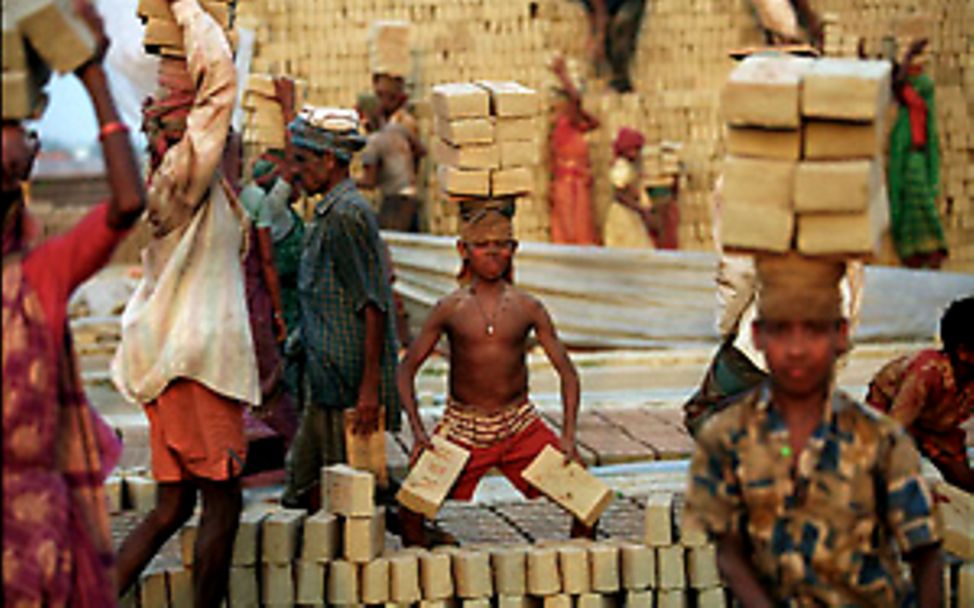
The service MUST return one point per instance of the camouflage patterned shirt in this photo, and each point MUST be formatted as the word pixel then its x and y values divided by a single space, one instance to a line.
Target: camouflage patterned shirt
pixel 822 533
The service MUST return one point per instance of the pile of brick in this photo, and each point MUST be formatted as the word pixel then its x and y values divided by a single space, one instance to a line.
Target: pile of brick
pixel 130 490
pixel 38 36
pixel 164 37
pixel 803 169
pixel 487 140
pixel 264 117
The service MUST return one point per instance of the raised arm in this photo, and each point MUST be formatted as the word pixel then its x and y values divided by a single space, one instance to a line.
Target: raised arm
pixel 557 354
pixel 416 355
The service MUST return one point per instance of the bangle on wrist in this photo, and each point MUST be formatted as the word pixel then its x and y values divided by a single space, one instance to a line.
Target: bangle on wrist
pixel 109 128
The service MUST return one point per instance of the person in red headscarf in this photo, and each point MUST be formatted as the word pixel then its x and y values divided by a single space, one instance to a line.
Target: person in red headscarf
pixel 628 221
pixel 57 451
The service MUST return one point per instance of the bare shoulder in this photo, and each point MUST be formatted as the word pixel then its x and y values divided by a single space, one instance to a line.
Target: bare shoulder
pixel 449 303
pixel 529 303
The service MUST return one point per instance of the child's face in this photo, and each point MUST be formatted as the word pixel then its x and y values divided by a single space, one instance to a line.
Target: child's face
pixel 489 259
pixel 801 353
pixel 962 360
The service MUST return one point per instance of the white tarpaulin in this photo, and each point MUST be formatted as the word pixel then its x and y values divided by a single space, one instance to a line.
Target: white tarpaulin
pixel 618 298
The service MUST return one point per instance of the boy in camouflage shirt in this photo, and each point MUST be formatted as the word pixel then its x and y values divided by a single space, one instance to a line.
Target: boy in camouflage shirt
pixel 812 497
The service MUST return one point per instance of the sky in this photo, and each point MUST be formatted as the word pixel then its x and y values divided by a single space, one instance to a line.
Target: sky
pixel 69 119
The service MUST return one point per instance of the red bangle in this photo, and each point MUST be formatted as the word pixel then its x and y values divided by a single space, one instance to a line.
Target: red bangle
pixel 112 127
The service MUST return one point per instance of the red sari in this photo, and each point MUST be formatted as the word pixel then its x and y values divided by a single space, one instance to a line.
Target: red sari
pixel 572 216
pixel 57 451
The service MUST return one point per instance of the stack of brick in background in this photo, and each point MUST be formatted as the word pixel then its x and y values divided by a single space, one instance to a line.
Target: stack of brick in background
pixel 804 139
pixel 487 142
pixel 838 41
pixel 390 48
pixel 680 64
pixel 264 126
pixel 164 37
pixel 38 36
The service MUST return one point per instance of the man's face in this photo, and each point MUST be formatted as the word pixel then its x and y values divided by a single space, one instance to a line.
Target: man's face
pixel 313 169
pixel 801 353
pixel 489 259
pixel 389 93
pixel 962 360
pixel 20 148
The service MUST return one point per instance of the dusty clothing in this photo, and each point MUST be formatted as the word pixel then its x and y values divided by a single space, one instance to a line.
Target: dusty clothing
pixel 195 432
pixel 270 209
pixel 57 451
pixel 919 391
pixel 342 271
pixel 624 227
pixel 188 317
pixel 509 440
pixel 320 441
pixel 828 532
pixel 392 151
pixel 572 214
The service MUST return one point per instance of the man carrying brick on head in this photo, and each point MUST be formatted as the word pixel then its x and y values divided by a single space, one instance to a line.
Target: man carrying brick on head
pixel 488 322
pixel 347 321
pixel 931 393
pixel 187 352
pixel 391 158
pixel 812 496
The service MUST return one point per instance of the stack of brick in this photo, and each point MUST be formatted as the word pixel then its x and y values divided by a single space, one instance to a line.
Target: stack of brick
pixel 838 41
pixel 264 116
pixel 38 36
pixel 803 168
pixel 486 144
pixel 164 37
pixel 390 48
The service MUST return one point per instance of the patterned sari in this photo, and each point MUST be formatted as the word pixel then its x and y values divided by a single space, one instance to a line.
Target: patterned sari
pixel 57 547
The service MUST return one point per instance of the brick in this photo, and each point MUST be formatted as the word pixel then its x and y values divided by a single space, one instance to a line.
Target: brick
pixel 569 485
pixel 509 565
pixel 955 517
pixel 389 48
pixel 466 132
pixel 309 583
pixel 670 565
pixel 343 585
pixel 671 598
pixel 242 588
pixel 278 583
pixel 480 602
pixel 659 520
pixel 464 182
pixel 638 566
pixel 576 575
pixel 849 89
pixel 141 493
pixel 433 475
pixel 557 601
pixel 782 144
pixel 759 182
pixel 745 228
pixel 836 186
pixel 543 576
pixel 460 100
pixel 845 233
pixel 511 98
pixel 436 575
pixel 160 34
pixel 367 452
pixel 14 51
pixel 321 537
pixel 152 590
pixel 113 494
pixel 519 154
pixel 639 599
pixel 829 140
pixel 517 601
pixel 702 567
pixel 471 574
pixel 364 537
pixel 764 92
pixel 511 181
pixel 245 542
pixel 58 34
pixel 479 156
pixel 404 579
pixel 711 598
pixel 180 583
pixel 595 600
pixel 518 129
pixel 346 491
pixel 375 581
pixel 692 532
pixel 604 560
pixel 187 539
pixel 281 536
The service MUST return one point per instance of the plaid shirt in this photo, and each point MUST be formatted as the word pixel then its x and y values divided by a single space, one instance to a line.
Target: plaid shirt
pixel 821 535
pixel 919 391
pixel 342 271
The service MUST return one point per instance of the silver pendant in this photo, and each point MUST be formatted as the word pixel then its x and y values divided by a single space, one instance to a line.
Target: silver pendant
pixel 490 329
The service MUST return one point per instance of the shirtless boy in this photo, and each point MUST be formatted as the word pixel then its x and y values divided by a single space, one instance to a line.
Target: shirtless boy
pixel 487 322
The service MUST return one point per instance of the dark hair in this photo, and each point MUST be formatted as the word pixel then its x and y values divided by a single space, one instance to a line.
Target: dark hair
pixel 957 325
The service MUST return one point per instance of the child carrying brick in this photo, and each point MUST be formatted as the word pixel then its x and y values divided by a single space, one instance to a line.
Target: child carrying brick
pixel 488 323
